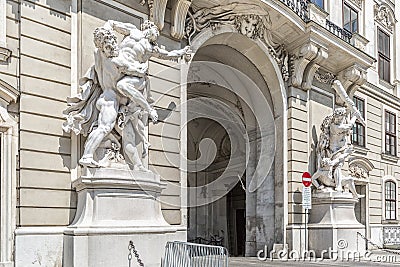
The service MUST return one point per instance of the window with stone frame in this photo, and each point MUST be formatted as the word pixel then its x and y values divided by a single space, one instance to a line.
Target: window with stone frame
pixel 358 136
pixel 383 55
pixel 350 18
pixel 390 200
pixel 390 134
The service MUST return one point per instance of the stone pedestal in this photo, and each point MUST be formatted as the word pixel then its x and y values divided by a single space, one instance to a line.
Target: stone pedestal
pixel 114 207
pixel 333 226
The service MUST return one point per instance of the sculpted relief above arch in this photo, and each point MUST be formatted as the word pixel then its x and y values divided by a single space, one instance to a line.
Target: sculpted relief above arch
pixel 385 16
pixel 251 20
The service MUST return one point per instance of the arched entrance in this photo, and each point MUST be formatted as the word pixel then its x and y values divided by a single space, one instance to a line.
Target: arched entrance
pixel 238 142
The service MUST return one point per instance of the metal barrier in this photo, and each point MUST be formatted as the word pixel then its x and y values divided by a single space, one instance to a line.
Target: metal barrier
pixel 182 254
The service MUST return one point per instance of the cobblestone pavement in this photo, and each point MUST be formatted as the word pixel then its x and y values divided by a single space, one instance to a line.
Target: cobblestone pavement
pixel 377 258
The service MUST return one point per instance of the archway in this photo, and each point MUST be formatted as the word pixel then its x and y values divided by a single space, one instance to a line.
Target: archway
pixel 239 73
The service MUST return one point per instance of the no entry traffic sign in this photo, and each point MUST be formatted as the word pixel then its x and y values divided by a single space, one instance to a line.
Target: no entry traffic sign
pixel 306 179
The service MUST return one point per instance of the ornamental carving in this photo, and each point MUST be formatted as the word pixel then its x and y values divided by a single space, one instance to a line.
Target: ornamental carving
pixel 358 172
pixel 385 16
pixel 325 78
pixel 251 20
pixel 358 3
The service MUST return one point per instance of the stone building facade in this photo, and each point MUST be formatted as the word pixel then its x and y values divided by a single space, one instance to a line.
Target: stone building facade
pixel 289 50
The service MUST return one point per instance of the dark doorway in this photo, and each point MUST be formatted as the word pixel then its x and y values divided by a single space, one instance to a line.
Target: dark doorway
pixel 237 221
pixel 240 231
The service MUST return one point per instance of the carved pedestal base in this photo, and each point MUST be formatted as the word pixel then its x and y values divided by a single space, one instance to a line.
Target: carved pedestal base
pixel 114 207
pixel 333 226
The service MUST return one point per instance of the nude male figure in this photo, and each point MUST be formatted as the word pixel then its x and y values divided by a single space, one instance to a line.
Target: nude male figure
pixel 121 72
pixel 339 143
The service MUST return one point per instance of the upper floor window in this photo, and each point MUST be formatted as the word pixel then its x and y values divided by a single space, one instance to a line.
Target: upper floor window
pixel 390 200
pixel 319 3
pixel 350 18
pixel 383 55
pixel 358 137
pixel 390 133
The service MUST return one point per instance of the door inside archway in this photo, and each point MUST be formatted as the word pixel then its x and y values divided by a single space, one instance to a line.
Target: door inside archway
pixel 239 210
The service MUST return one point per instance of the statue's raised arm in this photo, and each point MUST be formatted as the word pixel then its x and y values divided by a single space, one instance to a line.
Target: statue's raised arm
pixel 338 87
pixel 171 55
pixel 124 28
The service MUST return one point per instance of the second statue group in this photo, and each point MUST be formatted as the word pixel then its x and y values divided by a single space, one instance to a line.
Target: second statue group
pixel 115 102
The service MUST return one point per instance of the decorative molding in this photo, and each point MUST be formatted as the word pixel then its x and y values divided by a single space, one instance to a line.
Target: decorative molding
pixel 305 64
pixel 325 78
pixel 157 11
pixel 358 172
pixel 359 168
pixel 5 54
pixel 359 41
pixel 385 16
pixel 358 3
pixel 251 20
pixel 391 235
pixel 179 13
pixel 352 78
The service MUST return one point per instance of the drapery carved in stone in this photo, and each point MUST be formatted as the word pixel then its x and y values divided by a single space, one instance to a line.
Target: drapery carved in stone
pixel 385 16
pixel 251 20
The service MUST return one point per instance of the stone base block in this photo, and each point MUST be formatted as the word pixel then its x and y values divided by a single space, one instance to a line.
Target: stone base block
pixel 333 228
pixel 39 246
pixel 109 247
pixel 115 206
pixel 340 242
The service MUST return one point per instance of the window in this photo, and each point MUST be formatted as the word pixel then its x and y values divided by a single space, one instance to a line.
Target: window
pixel 390 133
pixel 350 18
pixel 319 3
pixel 358 137
pixel 383 55
pixel 390 200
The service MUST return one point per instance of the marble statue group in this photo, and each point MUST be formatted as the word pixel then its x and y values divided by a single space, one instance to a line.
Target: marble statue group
pixel 115 102
pixel 334 146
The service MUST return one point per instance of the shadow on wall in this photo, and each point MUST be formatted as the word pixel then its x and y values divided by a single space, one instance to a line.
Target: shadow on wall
pixel 312 167
pixel 64 150
pixel 297 207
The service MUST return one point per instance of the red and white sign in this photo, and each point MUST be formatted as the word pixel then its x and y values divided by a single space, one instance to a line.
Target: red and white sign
pixel 306 179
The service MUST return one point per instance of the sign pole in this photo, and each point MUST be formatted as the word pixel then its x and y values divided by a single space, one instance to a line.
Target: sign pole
pixel 307 181
pixel 305 232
